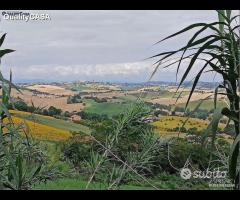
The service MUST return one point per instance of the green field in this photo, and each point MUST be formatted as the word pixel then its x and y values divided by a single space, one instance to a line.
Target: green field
pixel 78 87
pixel 128 98
pixel 163 181
pixel 206 105
pixel 146 96
pixel 165 94
pixel 129 87
pixel 56 123
pixel 107 108
pixel 80 184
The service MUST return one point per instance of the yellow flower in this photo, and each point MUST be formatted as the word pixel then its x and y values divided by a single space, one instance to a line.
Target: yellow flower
pixel 40 131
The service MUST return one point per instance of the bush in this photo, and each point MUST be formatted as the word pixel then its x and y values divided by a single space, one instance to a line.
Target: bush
pixel 54 111
pixel 96 99
pixel 160 112
pixel 19 105
pixel 230 130
pixel 76 150
pixel 67 114
pixel 92 116
pixel 199 113
pixel 179 109
pixel 74 99
pixel 193 131
pixel 45 112
pixel 179 151
pixel 161 106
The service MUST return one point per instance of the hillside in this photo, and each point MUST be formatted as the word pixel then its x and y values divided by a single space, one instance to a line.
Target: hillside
pixel 48 127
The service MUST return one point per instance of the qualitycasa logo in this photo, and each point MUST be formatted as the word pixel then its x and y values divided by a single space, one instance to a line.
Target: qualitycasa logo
pixel 186 174
pixel 24 16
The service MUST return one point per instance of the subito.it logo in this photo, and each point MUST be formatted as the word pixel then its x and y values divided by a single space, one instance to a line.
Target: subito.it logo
pixel 185 173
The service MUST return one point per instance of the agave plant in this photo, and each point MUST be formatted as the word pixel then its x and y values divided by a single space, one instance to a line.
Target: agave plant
pixel 219 51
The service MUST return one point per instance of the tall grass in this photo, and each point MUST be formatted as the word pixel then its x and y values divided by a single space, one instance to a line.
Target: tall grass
pixel 22 161
pixel 129 152
pixel 220 53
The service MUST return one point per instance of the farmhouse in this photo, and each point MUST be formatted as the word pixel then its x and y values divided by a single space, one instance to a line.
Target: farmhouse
pixel 75 118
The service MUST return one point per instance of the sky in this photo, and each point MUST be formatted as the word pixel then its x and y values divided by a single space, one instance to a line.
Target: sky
pixel 99 45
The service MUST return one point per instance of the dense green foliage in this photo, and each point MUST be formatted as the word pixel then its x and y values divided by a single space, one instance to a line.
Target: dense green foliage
pixel 219 52
pixel 74 99
pixel 22 161
pixel 125 150
pixel 113 147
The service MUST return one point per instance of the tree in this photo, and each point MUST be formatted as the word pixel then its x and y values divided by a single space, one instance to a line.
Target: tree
pixel 160 112
pixel 21 105
pixel 45 112
pixel 54 111
pixel 219 51
pixel 74 99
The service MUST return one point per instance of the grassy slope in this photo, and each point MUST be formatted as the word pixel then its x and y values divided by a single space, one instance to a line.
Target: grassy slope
pixel 206 105
pixel 56 123
pixel 107 108
pixel 41 131
pixel 151 95
pixel 128 98
pixel 164 94
pixel 79 184
pixel 78 87
pixel 162 181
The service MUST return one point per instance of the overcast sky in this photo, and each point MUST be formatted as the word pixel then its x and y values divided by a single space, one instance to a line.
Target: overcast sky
pixel 95 45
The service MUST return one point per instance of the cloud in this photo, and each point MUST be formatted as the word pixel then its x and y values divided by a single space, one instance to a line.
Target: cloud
pixel 109 72
pixel 106 45
pixel 113 72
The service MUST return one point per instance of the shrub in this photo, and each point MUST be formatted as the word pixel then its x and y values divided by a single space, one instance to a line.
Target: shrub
pixel 92 116
pixel 76 150
pixel 96 99
pixel 179 151
pixel 74 99
pixel 193 131
pixel 54 111
pixel 160 112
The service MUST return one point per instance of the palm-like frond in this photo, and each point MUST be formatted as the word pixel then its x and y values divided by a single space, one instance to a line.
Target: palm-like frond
pixel 220 52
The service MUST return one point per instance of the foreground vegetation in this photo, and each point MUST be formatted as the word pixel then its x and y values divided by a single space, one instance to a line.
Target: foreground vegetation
pixel 115 146
pixel 223 57
pixel 53 122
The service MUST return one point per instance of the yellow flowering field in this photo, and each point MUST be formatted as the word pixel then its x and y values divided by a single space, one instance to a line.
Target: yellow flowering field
pixel 27 113
pixel 166 122
pixel 43 132
pixel 169 122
